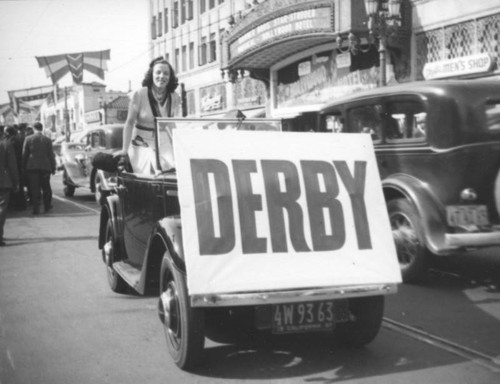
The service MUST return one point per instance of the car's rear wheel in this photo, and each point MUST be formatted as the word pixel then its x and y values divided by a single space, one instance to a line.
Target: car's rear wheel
pixel 115 281
pixel 367 315
pixel 408 236
pixel 184 325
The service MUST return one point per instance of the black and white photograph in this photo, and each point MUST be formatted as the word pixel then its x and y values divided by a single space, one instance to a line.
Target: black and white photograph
pixel 249 191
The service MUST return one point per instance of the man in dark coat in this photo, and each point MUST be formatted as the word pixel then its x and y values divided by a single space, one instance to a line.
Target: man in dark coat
pixel 38 163
pixel 9 180
pixel 16 138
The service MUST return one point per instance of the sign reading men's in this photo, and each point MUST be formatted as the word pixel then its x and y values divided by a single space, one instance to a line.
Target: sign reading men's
pixel 268 210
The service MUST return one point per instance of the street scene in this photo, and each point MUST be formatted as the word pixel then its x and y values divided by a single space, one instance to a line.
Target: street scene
pixel 250 190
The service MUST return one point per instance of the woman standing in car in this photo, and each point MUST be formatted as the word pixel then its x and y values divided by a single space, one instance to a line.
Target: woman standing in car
pixel 156 98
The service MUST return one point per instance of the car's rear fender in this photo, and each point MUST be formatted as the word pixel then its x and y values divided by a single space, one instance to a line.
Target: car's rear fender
pixel 431 213
pixel 166 236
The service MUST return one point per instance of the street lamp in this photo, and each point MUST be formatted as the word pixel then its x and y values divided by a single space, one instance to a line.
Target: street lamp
pixel 384 19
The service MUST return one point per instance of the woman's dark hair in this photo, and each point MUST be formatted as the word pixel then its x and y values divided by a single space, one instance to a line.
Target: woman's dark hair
pixel 173 82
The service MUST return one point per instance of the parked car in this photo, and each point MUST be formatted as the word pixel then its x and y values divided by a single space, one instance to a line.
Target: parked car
pixel 438 151
pixel 141 238
pixel 77 156
pixel 56 146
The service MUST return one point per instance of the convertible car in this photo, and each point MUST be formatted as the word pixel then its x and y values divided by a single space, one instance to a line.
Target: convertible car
pixel 273 237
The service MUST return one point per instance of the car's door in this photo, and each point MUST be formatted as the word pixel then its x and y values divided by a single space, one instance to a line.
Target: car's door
pixel 143 205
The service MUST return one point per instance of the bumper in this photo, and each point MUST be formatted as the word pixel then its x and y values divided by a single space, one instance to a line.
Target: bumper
pixel 471 240
pixel 291 296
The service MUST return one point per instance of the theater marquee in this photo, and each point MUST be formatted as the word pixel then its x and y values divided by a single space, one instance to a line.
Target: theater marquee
pixel 301 21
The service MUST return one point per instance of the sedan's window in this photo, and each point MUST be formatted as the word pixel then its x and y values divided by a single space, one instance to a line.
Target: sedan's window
pixel 334 123
pixel 493 115
pixel 405 121
pixel 366 119
pixel 95 140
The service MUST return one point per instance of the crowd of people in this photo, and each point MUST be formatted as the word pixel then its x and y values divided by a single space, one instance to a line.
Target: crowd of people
pixel 27 160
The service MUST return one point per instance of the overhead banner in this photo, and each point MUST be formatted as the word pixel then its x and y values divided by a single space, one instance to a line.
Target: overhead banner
pixel 57 66
pixel 28 95
pixel 271 210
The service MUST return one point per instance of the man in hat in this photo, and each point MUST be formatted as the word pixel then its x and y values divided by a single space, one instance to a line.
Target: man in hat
pixel 39 162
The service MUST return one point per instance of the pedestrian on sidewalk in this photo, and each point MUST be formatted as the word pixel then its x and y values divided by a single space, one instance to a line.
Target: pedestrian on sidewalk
pixel 15 136
pixel 39 162
pixel 9 180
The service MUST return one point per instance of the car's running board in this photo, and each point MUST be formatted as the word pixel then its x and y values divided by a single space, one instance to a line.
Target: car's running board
pixel 130 274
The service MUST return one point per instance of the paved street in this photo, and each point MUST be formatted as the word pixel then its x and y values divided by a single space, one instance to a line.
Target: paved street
pixel 60 323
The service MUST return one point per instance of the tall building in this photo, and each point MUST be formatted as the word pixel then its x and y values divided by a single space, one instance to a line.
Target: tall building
pixel 189 34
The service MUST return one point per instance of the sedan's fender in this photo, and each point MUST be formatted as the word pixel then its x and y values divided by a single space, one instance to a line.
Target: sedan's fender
pixel 166 236
pixel 430 211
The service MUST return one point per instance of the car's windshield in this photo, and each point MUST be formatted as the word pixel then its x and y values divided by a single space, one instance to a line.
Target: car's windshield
pixel 165 127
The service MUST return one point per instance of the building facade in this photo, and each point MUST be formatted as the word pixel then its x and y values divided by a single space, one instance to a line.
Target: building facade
pixel 289 57
pixel 86 105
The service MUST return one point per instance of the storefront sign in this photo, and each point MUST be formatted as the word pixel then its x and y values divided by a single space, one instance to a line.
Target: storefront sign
pixel 301 21
pixel 325 82
pixel 261 211
pixel 344 60
pixel 459 66
pixel 92 117
pixel 213 98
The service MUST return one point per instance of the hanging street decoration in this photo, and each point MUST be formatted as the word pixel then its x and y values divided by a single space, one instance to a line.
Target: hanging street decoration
pixel 56 66
pixel 29 97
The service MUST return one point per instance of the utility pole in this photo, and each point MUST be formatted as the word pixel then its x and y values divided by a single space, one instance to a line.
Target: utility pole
pixel 67 131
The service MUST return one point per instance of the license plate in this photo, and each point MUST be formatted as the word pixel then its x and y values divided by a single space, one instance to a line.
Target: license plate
pixel 460 215
pixel 303 317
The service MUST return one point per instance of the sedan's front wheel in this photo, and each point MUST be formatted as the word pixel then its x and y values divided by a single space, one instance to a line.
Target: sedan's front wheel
pixel 408 236
pixel 184 325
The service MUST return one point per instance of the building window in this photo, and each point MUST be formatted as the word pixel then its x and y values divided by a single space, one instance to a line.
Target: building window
pixel 183 11
pixel 176 63
pixel 184 58
pixel 165 15
pixel 211 4
pixel 153 28
pixel 189 13
pixel 203 51
pixel 186 10
pixel 213 49
pixel 203 6
pixel 175 15
pixel 160 24
pixel 221 1
pixel 191 55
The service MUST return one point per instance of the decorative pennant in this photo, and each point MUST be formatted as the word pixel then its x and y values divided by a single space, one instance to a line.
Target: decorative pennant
pixel 56 66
